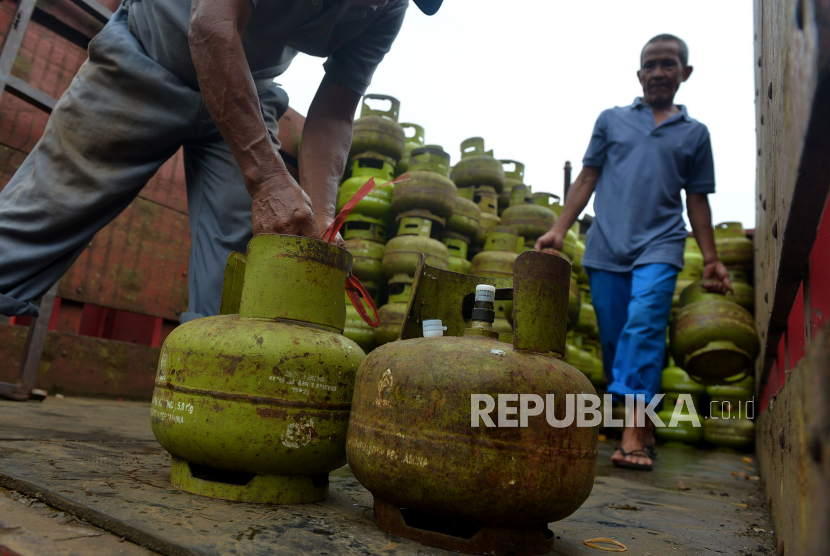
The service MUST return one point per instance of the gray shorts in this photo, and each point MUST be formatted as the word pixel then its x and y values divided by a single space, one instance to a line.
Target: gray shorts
pixel 122 117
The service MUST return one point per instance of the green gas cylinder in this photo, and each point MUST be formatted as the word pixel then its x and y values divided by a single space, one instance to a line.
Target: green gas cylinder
pixel 378 202
pixel 675 380
pixel 390 316
pixel 587 323
pixel 253 406
pixel 692 257
pixel 477 167
pixel 414 237
pixel 378 130
pixel 465 218
pixel 414 135
pixel 683 431
pixel 743 290
pixel 457 246
pixel 735 389
pixel 429 187
pixel 712 337
pixel 530 220
pixel 356 329
pixel 500 251
pixel 359 226
pixel 734 248
pixel 574 303
pixel 729 427
pixel 514 174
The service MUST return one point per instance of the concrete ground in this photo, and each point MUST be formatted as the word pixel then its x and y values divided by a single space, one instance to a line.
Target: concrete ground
pixel 86 477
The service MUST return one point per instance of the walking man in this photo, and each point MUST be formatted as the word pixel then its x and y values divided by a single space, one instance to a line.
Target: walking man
pixel 639 159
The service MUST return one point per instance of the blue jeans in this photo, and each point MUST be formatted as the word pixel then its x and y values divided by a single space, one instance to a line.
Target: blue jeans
pixel 122 117
pixel 633 312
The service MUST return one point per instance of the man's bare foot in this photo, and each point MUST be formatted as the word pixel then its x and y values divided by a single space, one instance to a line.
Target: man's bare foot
pixel 635 439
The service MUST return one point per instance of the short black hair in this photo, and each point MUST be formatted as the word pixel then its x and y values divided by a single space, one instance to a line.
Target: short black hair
pixel 684 48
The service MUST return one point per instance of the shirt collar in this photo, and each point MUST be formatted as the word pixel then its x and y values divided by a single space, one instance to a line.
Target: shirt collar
pixel 638 104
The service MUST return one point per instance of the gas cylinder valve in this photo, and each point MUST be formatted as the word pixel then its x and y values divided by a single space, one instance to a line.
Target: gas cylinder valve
pixel 484 313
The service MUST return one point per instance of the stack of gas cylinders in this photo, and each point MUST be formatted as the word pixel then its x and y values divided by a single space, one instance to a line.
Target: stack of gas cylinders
pixel 379 147
pixel 713 345
pixel 423 205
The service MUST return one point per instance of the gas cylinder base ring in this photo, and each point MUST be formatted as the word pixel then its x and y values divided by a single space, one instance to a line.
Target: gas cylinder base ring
pixel 248 487
pixel 716 361
pixel 462 537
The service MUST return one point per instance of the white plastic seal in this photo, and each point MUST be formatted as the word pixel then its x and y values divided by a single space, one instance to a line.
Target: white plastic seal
pixel 433 328
pixel 485 293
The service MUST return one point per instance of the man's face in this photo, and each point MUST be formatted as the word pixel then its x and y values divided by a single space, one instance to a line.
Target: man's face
pixel 661 72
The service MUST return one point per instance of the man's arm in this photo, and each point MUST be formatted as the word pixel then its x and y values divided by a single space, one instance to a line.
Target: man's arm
pixel 327 135
pixel 214 35
pixel 578 196
pixel 700 217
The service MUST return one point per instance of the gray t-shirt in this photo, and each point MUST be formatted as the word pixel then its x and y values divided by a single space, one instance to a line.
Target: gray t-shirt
pixel 639 211
pixel 354 38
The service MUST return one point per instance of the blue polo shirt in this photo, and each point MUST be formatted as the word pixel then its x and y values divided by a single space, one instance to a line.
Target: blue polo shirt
pixel 639 211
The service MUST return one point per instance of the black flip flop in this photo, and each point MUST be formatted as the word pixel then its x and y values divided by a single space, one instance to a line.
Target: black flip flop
pixel 636 466
pixel 652 453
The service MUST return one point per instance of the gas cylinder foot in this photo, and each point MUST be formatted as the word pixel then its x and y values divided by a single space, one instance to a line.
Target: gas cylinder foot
pixel 248 487
pixel 463 537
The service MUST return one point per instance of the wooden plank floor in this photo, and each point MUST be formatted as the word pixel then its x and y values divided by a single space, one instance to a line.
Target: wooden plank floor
pixel 98 460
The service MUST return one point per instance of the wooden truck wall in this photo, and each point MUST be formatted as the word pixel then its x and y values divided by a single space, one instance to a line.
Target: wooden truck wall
pixel 125 293
pixel 792 267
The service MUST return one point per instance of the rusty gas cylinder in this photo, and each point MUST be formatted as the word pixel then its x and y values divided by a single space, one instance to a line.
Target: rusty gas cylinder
pixel 500 251
pixel 457 245
pixel 378 130
pixel 476 489
pixel 428 187
pixel 378 202
pixel 414 135
pixel 417 233
pixel 744 292
pixel 253 406
pixel 712 337
pixel 356 329
pixel 390 316
pixel 477 167
pixel 734 248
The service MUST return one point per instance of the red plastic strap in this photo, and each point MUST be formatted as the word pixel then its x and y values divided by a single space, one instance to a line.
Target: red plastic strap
pixel 354 288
